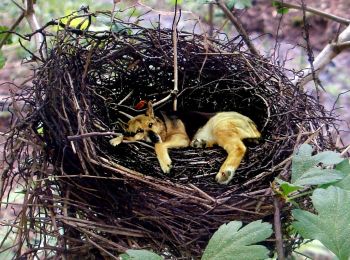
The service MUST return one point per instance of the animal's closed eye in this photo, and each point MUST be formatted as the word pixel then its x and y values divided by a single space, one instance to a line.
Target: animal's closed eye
pixel 150 125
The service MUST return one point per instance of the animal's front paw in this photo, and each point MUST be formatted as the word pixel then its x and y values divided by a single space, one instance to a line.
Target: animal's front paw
pixel 165 164
pixel 224 176
pixel 116 141
pixel 199 143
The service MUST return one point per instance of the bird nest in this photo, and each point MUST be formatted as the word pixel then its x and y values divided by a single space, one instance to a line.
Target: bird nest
pixel 95 197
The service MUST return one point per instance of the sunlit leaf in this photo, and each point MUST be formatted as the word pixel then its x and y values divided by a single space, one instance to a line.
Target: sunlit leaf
pixel 231 241
pixel 306 169
pixel 287 187
pixel 332 224
pixel 344 167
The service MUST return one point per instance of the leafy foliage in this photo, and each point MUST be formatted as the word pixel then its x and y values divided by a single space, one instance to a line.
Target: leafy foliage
pixel 228 242
pixel 308 169
pixel 233 241
pixel 332 224
pixel 344 167
pixel 305 169
pixel 140 255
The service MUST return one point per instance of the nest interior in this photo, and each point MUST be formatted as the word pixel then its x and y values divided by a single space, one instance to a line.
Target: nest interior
pixel 114 198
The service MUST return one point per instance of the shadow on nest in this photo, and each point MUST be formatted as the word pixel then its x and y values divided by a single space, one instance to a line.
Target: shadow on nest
pixel 92 196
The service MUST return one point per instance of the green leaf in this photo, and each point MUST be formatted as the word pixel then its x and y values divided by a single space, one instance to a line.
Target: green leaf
pixel 332 224
pixel 173 2
pixel 140 255
pixel 276 4
pixel 306 169
pixel 287 187
pixel 2 60
pixel 2 35
pixel 328 158
pixel 283 10
pixel 344 167
pixel 317 176
pixel 231 241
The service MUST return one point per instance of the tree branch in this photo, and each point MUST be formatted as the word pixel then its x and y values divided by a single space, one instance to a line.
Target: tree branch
pixel 314 11
pixel 33 23
pixel 326 56
pixel 237 23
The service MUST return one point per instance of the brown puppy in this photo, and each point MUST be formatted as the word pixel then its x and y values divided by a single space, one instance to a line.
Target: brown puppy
pixel 226 129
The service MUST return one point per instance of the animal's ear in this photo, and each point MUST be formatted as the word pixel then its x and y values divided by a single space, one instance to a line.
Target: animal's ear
pixel 149 111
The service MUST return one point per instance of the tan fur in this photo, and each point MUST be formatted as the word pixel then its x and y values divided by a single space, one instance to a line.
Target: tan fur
pixel 226 129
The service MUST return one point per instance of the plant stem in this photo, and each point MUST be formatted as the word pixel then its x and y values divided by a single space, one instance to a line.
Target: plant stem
pixel 237 23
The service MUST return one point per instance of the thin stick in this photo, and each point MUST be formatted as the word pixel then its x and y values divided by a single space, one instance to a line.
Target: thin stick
pixel 126 97
pixel 278 229
pixel 315 11
pixel 345 150
pixel 237 23
pixel 176 76
pixel 210 19
pixel 91 134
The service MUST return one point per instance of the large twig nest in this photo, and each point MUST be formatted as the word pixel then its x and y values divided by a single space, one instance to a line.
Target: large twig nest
pixel 113 198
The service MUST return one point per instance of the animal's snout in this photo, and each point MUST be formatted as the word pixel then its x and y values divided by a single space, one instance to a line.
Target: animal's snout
pixel 154 138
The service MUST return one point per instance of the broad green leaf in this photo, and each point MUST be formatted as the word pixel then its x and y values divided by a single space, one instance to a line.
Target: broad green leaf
pixel 332 224
pixel 287 187
pixel 140 255
pixel 231 241
pixel 317 176
pixel 2 60
pixel 328 158
pixel 306 169
pixel 344 167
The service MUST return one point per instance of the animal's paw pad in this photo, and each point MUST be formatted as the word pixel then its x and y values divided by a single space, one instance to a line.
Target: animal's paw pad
pixel 199 143
pixel 225 176
pixel 116 141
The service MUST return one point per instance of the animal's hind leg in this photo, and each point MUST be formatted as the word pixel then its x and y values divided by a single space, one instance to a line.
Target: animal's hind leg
pixel 235 149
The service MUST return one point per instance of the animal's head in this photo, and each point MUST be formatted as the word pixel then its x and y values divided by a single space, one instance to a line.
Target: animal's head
pixel 145 127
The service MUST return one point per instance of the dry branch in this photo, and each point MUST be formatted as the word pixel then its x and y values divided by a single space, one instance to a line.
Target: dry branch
pixel 314 11
pixel 238 25
pixel 325 57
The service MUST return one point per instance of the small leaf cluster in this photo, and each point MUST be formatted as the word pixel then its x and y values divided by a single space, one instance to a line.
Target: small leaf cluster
pixel 230 241
pixel 326 176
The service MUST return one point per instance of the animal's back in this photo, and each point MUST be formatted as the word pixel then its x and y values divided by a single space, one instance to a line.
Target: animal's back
pixel 243 125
